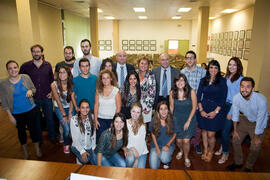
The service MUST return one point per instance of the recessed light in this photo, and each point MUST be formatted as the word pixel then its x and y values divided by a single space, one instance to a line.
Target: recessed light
pixel 139 9
pixel 142 17
pixel 99 10
pixel 184 9
pixel 176 17
pixel 228 10
pixel 109 17
pixel 212 17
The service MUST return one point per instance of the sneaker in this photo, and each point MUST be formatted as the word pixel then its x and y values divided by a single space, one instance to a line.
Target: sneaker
pixel 198 149
pixel 166 166
pixel 66 149
pixel 234 166
pixel 179 155
pixel 187 162
pixel 61 140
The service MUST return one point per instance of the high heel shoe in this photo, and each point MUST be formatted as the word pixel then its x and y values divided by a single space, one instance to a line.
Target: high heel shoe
pixel 204 155
pixel 209 157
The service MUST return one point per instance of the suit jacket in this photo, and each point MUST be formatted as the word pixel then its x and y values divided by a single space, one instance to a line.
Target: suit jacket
pixel 129 68
pixel 157 71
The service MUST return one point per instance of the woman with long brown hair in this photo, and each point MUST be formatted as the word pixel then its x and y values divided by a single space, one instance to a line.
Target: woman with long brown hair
pixel 163 136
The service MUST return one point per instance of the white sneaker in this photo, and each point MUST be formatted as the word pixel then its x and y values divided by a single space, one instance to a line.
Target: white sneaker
pixel 166 166
pixel 179 155
pixel 187 162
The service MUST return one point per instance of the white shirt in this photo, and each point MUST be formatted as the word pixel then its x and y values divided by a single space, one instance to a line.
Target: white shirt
pixel 95 64
pixel 118 71
pixel 169 82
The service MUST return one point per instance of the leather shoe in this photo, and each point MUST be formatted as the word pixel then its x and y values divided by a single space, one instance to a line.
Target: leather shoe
pixel 234 166
pixel 247 170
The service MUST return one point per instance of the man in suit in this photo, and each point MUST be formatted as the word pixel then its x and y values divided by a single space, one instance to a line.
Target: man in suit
pixel 121 67
pixel 164 75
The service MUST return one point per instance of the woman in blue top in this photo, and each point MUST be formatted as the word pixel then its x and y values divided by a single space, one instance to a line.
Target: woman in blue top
pixel 211 94
pixel 233 77
pixel 163 136
pixel 17 100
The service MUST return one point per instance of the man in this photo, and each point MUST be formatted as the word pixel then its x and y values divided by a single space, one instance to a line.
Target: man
pixel 194 74
pixel 40 71
pixel 95 62
pixel 69 59
pixel 253 122
pixel 121 67
pixel 164 75
pixel 84 85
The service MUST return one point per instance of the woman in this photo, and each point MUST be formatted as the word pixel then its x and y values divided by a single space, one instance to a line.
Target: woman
pixel 111 141
pixel 233 77
pixel 17 100
pixel 163 137
pixel 83 134
pixel 108 64
pixel 130 92
pixel 136 151
pixel 107 101
pixel 148 88
pixel 211 96
pixel 183 104
pixel 62 90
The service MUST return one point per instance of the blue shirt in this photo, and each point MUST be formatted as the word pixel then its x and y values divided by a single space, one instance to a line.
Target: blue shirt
pixel 194 76
pixel 233 89
pixel 21 103
pixel 85 88
pixel 255 110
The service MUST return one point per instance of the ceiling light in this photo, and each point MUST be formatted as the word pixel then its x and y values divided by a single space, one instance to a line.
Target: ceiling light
pixel 139 9
pixel 142 17
pixel 212 17
pixel 228 10
pixel 99 10
pixel 184 9
pixel 109 17
pixel 176 17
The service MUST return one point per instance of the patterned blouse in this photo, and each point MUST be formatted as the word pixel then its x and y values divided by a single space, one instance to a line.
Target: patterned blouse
pixel 130 98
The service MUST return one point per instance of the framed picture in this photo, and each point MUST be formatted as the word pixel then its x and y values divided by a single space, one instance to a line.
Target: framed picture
pixel 242 34
pixel 108 48
pixel 234 44
pixel 102 48
pixel 101 42
pixel 153 42
pixel 235 34
pixel 229 44
pixel 138 42
pixel 145 42
pixel 229 52
pixel 246 53
pixel 131 42
pixel 241 44
pixel 146 48
pixel 247 44
pixel 231 35
pixel 132 48
pixel 124 42
pixel 125 47
pixel 233 52
pixel 139 48
pixel 226 35
pixel 248 34
pixel 152 48
pixel 239 53
pixel 108 42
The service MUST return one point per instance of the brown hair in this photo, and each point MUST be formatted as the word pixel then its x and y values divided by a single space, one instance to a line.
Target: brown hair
pixel 187 88
pixel 113 132
pixel 37 46
pixel 139 122
pixel 239 71
pixel 81 125
pixel 69 83
pixel 143 58
pixel 100 85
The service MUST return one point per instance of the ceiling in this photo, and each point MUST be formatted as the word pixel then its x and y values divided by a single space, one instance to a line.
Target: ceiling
pixel 155 9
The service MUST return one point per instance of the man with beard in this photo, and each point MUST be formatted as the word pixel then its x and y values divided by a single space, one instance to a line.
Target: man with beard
pixel 95 62
pixel 40 72
pixel 69 59
pixel 194 74
pixel 253 122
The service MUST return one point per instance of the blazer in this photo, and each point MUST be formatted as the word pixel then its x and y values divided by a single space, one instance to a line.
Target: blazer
pixel 129 68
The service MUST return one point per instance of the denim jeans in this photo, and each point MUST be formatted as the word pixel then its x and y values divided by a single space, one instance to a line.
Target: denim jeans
pixel 225 133
pixel 65 125
pixel 90 159
pixel 115 160
pixel 104 124
pixel 165 157
pixel 141 160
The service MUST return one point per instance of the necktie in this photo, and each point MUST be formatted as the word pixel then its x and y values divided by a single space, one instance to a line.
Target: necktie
pixel 122 78
pixel 164 84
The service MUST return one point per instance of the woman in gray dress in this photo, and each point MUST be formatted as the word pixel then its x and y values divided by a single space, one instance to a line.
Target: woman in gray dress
pixel 183 103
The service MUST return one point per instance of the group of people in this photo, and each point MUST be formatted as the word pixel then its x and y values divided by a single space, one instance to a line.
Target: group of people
pixel 106 106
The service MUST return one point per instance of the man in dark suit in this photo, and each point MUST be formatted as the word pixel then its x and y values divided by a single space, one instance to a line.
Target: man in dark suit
pixel 164 75
pixel 122 68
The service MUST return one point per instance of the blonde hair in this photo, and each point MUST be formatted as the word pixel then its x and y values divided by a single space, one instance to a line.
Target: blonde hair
pixel 140 122
pixel 100 85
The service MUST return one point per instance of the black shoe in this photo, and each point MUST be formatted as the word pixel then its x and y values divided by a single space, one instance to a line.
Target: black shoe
pixel 247 170
pixel 234 166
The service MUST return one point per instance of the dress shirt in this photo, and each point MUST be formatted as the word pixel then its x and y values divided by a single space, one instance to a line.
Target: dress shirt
pixel 194 76
pixel 95 64
pixel 233 89
pixel 169 80
pixel 118 71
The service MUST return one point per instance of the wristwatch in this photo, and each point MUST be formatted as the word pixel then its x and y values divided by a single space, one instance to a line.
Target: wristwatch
pixel 217 111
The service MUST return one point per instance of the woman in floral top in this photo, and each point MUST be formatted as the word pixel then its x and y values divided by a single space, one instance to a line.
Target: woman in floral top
pixel 148 88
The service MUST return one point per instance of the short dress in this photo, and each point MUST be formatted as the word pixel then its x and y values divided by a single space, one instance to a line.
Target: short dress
pixel 182 109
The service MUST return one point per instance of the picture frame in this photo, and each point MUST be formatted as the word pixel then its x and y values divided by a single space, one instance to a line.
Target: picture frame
pixel 239 53
pixel 241 44
pixel 101 42
pixel 139 48
pixel 229 52
pixel 101 48
pixel 131 48
pixel 248 34
pixel 226 35
pixel 124 42
pixel 146 48
pixel 234 53
pixel 234 44
pixel 242 34
pixel 246 53
pixel 125 47
pixel 138 42
pixel 132 42
pixel 108 42
pixel 153 42
pixel 108 48
pixel 235 34
pixel 229 44
pixel 145 42
pixel 231 35
pixel 247 44
pixel 153 48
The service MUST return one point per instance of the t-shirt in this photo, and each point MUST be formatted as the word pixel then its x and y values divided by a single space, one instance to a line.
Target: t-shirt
pixel 63 63
pixel 63 99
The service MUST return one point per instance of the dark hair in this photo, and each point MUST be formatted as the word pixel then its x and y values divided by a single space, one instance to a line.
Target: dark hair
pixel 204 64
pixel 69 83
pixel 143 58
pixel 250 79
pixel 125 130
pixel 127 87
pixel 207 77
pixel 81 125
pixel 11 61
pixel 86 40
pixel 36 46
pixel 69 47
pixel 83 60
pixel 191 52
pixel 239 71
pixel 168 120
pixel 102 66
pixel 187 88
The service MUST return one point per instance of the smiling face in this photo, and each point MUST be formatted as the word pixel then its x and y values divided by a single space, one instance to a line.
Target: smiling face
pixel 121 57
pixel 118 124
pixel 246 89
pixel 143 65
pixel 164 60
pixel 163 111
pixel 84 108
pixel 63 75
pixel 232 67
pixel 36 53
pixel 68 54
pixel 135 113
pixel 108 66
pixel 132 80
pixel 180 84
pixel 213 70
pixel 106 79
pixel 13 69
pixel 190 60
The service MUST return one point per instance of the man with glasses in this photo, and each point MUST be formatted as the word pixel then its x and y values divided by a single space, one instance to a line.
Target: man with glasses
pixel 69 59
pixel 194 74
